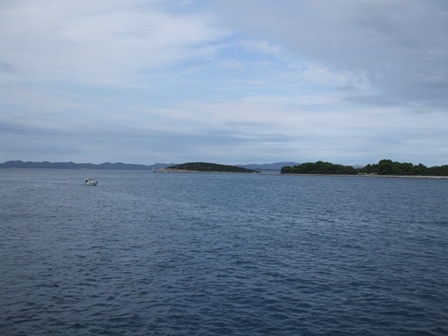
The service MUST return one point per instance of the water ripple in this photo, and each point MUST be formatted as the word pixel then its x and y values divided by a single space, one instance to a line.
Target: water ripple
pixel 222 254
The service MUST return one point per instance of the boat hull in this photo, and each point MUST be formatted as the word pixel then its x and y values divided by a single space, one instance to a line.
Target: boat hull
pixel 90 182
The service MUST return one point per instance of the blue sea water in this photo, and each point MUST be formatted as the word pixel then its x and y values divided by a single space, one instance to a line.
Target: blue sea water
pixel 221 254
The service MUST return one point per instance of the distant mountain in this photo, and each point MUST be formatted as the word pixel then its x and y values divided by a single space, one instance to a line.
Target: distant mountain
pixel 127 166
pixel 71 165
pixel 269 166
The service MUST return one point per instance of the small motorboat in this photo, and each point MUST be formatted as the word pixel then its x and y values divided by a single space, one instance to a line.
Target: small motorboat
pixel 90 182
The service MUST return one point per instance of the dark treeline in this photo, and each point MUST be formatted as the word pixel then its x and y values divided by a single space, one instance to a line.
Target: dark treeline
pixel 383 167
pixel 210 167
pixel 319 167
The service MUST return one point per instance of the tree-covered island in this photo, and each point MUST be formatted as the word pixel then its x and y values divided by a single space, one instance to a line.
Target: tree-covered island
pixel 319 167
pixel 383 167
pixel 208 167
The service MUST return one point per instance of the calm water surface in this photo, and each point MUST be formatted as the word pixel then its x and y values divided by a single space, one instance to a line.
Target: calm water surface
pixel 221 254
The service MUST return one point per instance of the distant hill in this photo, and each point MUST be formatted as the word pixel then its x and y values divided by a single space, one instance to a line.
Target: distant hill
pixel 71 165
pixel 209 167
pixel 277 166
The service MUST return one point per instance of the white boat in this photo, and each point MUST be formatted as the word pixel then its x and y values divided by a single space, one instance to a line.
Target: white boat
pixel 90 182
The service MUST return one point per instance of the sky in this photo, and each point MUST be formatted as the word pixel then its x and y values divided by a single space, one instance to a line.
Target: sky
pixel 224 81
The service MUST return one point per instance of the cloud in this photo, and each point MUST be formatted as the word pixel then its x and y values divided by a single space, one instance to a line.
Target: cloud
pixel 7 68
pixel 399 47
pixel 227 81
pixel 99 42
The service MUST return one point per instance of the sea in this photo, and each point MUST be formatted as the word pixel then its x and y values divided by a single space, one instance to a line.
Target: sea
pixel 221 254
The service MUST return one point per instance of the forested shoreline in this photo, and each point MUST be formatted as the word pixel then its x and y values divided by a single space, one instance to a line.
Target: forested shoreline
pixel 209 167
pixel 383 167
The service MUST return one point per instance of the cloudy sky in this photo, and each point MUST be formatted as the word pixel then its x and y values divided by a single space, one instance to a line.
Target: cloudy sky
pixel 225 81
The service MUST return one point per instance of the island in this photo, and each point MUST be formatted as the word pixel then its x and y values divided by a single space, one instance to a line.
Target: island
pixel 382 168
pixel 320 167
pixel 207 167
